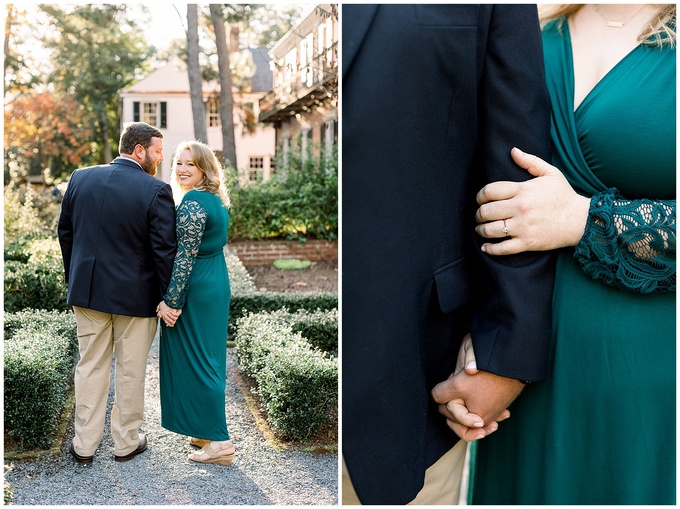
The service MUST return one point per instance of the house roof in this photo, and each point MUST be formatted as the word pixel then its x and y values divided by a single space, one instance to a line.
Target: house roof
pixel 172 78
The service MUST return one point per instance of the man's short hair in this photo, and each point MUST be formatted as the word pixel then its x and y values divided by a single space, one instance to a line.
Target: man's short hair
pixel 136 133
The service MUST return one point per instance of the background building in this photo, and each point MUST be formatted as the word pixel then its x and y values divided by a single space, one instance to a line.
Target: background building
pixel 162 99
pixel 303 105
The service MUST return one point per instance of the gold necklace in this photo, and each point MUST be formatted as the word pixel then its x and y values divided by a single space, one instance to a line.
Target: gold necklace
pixel 617 24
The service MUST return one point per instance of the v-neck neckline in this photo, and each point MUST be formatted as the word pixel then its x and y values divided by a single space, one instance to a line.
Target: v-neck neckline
pixel 606 77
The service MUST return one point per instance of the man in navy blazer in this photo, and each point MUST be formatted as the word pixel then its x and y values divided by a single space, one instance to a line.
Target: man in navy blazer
pixel 433 99
pixel 118 243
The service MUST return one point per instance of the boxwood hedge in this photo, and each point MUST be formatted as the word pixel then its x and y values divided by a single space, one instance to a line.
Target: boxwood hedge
pixel 255 302
pixel 297 382
pixel 39 355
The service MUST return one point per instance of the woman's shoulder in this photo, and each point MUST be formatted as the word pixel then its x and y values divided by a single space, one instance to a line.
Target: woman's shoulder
pixel 555 26
pixel 205 198
pixel 554 35
pixel 196 195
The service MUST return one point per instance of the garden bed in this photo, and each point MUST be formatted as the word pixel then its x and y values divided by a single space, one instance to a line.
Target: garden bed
pixel 321 276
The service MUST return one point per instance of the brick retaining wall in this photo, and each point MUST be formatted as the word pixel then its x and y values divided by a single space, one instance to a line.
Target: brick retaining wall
pixel 268 251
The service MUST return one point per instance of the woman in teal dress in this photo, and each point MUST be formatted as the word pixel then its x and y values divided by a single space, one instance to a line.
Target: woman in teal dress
pixel 602 429
pixel 193 345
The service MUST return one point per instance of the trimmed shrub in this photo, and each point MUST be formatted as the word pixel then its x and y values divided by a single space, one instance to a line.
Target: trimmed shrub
pixel 320 328
pixel 240 279
pixel 60 323
pixel 39 358
pixel 35 286
pixel 255 302
pixel 259 334
pixel 296 381
pixel 298 386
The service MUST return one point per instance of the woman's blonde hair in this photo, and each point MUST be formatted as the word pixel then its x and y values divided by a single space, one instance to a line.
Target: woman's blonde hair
pixel 205 160
pixel 659 31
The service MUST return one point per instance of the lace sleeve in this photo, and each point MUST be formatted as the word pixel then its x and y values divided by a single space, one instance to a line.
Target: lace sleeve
pixel 191 220
pixel 629 244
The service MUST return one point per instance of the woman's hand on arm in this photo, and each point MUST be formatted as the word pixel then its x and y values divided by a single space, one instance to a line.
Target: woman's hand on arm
pixel 540 214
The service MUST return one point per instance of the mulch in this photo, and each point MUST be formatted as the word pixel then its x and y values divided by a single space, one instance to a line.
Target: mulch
pixel 320 276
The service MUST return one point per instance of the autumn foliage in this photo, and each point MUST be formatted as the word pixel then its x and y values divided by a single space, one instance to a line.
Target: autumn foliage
pixel 45 132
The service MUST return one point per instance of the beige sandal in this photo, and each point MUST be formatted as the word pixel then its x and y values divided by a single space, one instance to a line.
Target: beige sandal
pixel 211 453
pixel 198 442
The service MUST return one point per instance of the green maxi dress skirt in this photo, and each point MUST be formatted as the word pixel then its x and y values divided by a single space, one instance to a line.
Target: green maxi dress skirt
pixel 193 353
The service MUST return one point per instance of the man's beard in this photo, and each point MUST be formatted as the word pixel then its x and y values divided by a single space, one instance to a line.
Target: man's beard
pixel 149 166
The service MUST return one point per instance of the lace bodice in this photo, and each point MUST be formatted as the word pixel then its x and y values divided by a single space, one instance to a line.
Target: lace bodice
pixel 191 220
pixel 629 244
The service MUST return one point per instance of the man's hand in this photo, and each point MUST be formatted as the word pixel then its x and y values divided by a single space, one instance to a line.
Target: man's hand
pixel 474 401
pixel 167 314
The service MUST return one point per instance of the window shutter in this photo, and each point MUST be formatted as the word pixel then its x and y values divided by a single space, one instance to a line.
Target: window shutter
pixel 135 111
pixel 164 115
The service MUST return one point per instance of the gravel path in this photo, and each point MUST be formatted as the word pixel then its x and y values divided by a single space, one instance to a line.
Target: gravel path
pixel 260 474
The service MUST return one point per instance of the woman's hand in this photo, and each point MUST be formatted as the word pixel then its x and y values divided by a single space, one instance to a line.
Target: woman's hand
pixel 536 215
pixel 167 314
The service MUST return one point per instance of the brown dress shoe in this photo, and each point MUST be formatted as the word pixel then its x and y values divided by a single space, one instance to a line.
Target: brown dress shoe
pixel 81 460
pixel 140 449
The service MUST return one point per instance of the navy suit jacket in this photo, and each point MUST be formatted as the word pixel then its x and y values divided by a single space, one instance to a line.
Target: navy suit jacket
pixel 118 239
pixel 434 97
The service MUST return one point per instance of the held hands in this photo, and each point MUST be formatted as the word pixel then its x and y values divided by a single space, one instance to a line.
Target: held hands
pixel 167 314
pixel 474 401
pixel 540 214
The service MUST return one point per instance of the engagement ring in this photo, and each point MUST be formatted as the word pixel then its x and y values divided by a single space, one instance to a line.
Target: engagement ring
pixel 506 230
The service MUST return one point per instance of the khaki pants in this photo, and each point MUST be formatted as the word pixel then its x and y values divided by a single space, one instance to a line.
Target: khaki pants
pixel 99 336
pixel 442 480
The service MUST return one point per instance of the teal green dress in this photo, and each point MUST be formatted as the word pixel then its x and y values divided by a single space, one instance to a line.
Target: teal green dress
pixel 193 353
pixel 602 430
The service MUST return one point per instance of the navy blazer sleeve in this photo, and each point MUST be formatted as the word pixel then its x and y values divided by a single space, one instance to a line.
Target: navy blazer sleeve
pixel 511 330
pixel 163 235
pixel 65 231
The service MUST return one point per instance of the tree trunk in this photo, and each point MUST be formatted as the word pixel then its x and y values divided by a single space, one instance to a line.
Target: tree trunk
pixel 195 78
pixel 8 32
pixel 226 98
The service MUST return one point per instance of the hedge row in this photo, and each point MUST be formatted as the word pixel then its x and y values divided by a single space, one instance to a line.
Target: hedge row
pixel 240 279
pixel 254 302
pixel 34 286
pixel 40 351
pixel 318 327
pixel 297 382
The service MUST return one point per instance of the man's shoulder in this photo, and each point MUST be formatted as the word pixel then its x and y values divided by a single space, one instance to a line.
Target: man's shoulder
pixel 138 175
pixel 86 169
pixel 83 174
